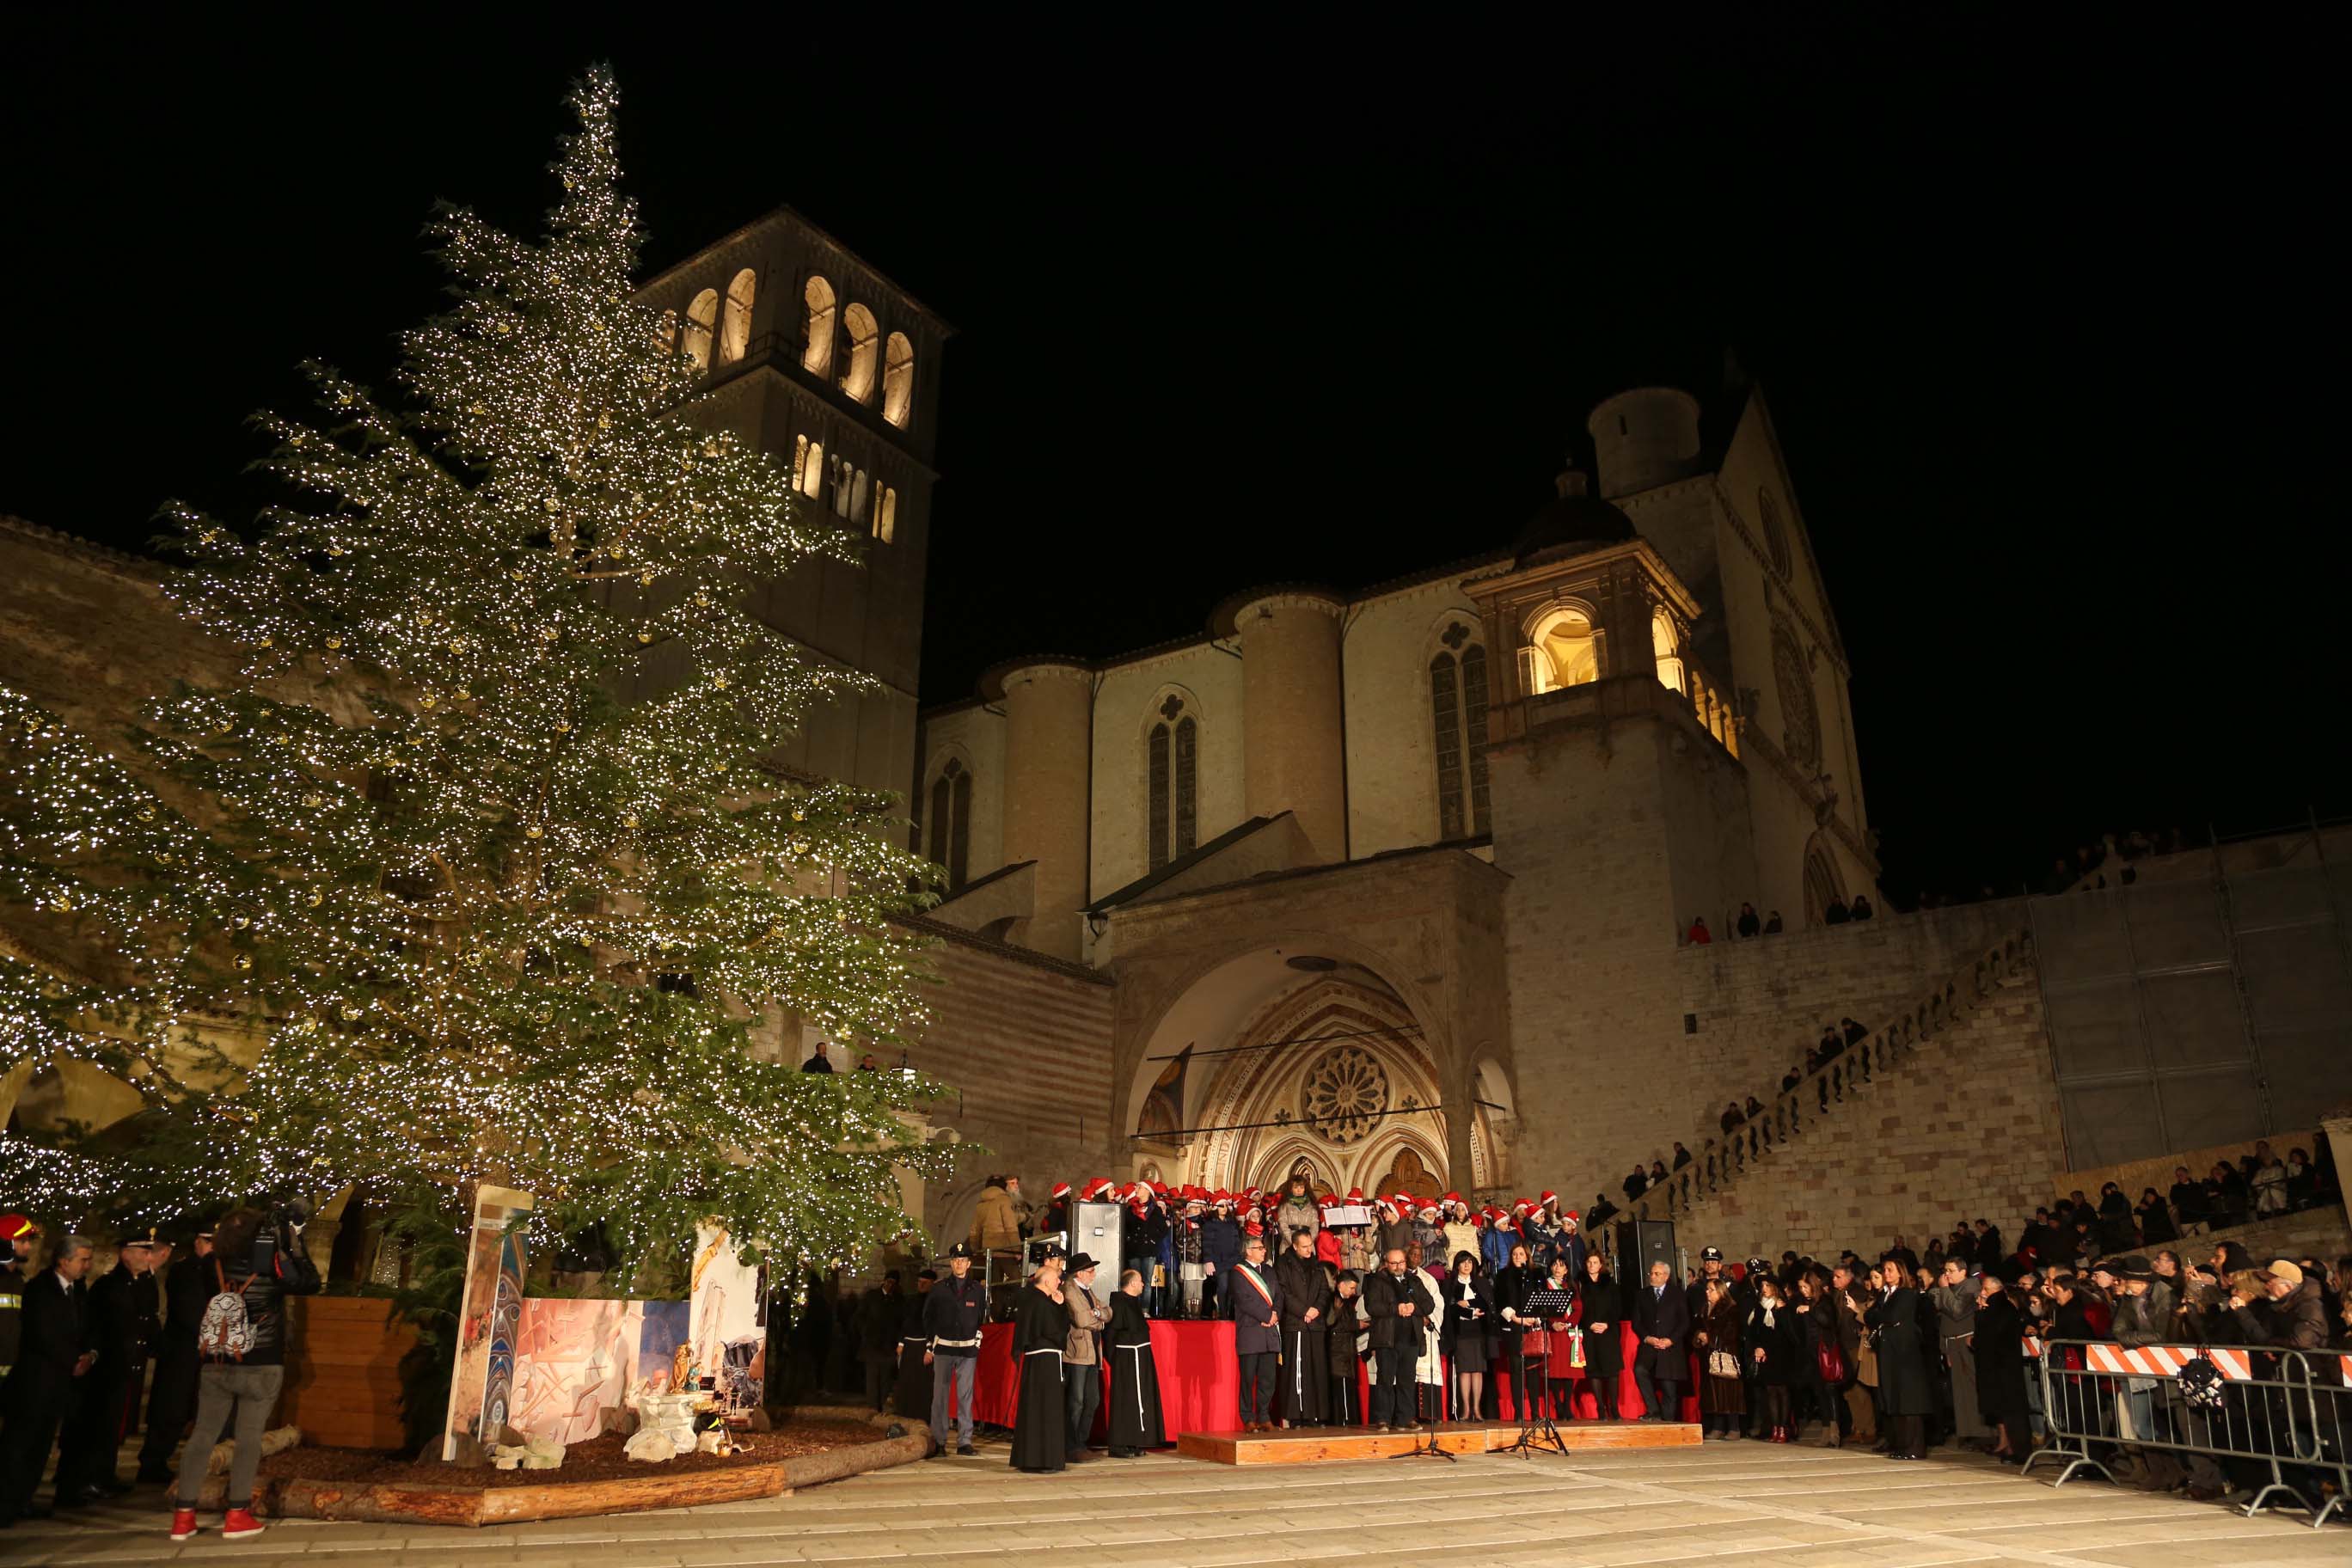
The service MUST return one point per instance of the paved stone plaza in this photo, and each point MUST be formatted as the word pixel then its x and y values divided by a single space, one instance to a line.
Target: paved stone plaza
pixel 1740 1501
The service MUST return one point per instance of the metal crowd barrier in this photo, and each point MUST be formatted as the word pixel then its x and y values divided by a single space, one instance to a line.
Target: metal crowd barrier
pixel 2284 1413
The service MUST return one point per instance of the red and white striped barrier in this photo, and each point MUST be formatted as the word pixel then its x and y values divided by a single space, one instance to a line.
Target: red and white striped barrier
pixel 2165 1361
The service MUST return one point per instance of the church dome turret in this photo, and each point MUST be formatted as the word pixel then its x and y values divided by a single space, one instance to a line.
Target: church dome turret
pixel 1571 522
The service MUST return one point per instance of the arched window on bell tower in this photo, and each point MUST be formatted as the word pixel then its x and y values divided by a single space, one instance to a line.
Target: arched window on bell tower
pixel 1457 711
pixel 1172 749
pixel 949 832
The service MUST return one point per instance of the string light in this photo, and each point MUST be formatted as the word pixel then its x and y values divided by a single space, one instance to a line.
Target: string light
pixel 410 949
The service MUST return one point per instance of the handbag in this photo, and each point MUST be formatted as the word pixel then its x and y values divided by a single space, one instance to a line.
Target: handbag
pixel 1830 1357
pixel 1722 1363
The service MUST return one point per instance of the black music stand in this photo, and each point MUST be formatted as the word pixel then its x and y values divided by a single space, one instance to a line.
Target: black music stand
pixel 1424 1447
pixel 1536 1429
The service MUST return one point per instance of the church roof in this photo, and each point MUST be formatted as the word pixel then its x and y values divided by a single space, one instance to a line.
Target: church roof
pixel 1572 521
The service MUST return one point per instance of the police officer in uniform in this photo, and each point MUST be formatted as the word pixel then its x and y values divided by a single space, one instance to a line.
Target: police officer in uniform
pixel 125 1319
pixel 954 1311
pixel 171 1403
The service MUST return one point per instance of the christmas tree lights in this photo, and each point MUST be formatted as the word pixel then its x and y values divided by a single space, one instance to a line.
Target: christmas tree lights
pixel 420 895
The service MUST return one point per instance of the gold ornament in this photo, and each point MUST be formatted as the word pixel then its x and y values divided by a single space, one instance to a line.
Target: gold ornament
pixel 318 896
pixel 534 831
pixel 630 820
pixel 548 634
pixel 266 640
pixel 518 574
pixel 314 801
pixel 245 960
pixel 457 645
pixel 552 503
pixel 646 578
pixel 701 599
pixel 146 813
pixel 464 695
pixel 644 636
pixel 428 701
pixel 65 904
pixel 344 398
pixel 603 422
pixel 563 726
pixel 241 921
pixel 799 815
pixel 335 550
pixel 719 681
pixel 333 642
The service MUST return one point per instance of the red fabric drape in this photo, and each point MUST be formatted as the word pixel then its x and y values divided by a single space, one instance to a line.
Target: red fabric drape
pixel 1199 1379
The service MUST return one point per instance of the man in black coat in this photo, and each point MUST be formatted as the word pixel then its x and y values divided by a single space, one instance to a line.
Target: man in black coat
pixel 187 1288
pixel 1398 1303
pixel 1307 1296
pixel 125 1317
pixel 51 1357
pixel 1662 1323
pixel 881 1314
pixel 1257 1334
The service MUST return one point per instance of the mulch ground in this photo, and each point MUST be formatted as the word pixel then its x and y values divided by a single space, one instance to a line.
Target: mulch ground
pixel 599 1460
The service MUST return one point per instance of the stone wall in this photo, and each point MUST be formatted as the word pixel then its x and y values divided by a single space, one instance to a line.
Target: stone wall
pixel 1024 1041
pixel 1965 1127
pixel 1759 1004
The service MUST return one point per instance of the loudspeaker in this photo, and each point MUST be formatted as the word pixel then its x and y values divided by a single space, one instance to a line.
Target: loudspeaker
pixel 1642 1242
pixel 1095 1230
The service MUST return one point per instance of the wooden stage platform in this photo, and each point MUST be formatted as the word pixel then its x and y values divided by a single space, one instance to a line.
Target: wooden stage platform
pixel 1325 1445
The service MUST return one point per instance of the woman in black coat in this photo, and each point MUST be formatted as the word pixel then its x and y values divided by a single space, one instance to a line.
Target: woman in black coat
pixel 1134 1420
pixel 2155 1218
pixel 1769 1341
pixel 1512 1284
pixel 1815 1321
pixel 1600 1313
pixel 1467 1332
pixel 1905 1397
pixel 2000 1345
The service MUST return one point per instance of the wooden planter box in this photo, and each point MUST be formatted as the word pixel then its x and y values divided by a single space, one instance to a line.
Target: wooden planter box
pixel 342 1371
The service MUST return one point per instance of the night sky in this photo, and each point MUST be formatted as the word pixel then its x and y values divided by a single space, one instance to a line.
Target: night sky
pixel 2041 316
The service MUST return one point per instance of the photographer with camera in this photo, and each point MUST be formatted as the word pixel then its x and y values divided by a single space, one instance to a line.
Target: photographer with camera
pixel 258 1261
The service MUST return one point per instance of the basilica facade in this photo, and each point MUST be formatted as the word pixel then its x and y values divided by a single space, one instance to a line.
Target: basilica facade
pixel 1391 884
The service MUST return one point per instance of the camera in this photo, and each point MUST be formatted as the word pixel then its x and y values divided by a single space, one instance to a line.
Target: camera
pixel 293 1211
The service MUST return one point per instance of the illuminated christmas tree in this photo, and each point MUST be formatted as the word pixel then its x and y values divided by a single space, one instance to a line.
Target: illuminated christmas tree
pixel 420 896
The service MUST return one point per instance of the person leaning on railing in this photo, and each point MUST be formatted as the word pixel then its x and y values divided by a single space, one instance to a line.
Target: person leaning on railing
pixel 2289 1314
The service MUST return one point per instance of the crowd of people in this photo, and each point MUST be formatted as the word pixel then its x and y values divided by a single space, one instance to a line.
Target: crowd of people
pixel 75 1355
pixel 1441 1311
pixel 1747 923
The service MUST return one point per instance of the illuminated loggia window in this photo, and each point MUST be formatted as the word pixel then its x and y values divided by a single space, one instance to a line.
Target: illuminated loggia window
pixel 885 515
pixel 865 341
pixel 1566 651
pixel 816 353
pixel 808 465
pixel 898 379
pixel 735 331
pixel 1669 652
pixel 700 317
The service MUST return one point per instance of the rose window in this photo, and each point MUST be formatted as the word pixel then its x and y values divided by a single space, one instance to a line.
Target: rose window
pixel 1346 1090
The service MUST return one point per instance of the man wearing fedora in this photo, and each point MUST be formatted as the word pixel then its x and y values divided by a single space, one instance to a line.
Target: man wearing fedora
pixel 1081 1356
pixel 953 1309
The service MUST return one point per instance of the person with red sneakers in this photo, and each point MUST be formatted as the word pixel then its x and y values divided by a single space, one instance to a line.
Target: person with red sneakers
pixel 258 1261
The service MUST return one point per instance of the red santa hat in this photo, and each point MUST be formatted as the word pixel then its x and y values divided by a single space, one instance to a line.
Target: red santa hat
pixel 1453 1197
pixel 1221 1196
pixel 1094 1189
pixel 1388 1207
pixel 1061 1189
pixel 1355 1194
pixel 1328 1200
pixel 1429 1211
pixel 1549 1199
pixel 1521 1206
pixel 1405 1199
pixel 1568 1218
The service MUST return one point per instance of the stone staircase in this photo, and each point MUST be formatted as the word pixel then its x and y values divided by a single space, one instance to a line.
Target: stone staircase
pixel 1826 1099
